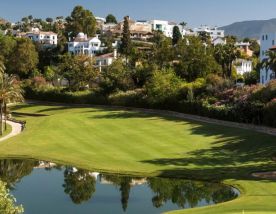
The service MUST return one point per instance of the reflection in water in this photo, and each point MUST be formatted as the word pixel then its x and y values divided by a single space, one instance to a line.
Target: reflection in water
pixel 80 185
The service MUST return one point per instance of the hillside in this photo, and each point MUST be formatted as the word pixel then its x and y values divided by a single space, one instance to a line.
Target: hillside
pixel 251 29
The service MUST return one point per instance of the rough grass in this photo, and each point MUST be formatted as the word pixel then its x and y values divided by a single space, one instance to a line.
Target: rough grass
pixel 111 140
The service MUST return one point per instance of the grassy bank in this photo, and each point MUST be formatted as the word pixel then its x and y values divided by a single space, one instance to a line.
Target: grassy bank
pixel 145 144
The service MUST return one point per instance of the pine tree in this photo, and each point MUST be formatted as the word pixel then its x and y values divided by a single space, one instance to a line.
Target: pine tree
pixel 176 35
pixel 125 47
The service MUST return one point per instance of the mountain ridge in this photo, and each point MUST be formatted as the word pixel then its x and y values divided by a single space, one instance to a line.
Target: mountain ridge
pixel 250 28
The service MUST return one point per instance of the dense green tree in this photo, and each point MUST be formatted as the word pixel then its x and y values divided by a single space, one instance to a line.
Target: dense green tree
pixel 23 59
pixel 110 18
pixel 117 77
pixel 163 53
pixel 125 47
pixel 81 20
pixel 25 19
pixel 78 70
pixel 50 72
pixel 231 39
pixel 7 47
pixel 49 19
pixel 176 35
pixel 163 85
pixel 195 59
pixel 205 37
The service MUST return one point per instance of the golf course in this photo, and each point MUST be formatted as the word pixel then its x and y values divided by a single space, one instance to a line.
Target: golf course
pixel 146 144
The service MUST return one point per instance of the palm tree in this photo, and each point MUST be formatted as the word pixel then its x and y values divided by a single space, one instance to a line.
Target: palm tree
pixel 10 91
pixel 225 56
pixel 2 68
pixel 269 63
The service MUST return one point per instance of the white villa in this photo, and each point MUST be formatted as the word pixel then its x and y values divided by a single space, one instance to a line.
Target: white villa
pixel 82 45
pixel 106 59
pixel 243 66
pixel 45 38
pixel 219 41
pixel 214 32
pixel 268 42
pixel 164 26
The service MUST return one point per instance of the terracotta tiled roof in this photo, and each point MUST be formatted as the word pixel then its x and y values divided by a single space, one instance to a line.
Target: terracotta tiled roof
pixel 273 48
pixel 108 55
pixel 42 32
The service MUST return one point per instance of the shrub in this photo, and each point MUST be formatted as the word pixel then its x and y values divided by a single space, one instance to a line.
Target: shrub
pixel 7 201
pixel 270 113
pixel 164 86
pixel 57 95
pixel 215 84
pixel 267 93
pixel 196 88
pixel 135 98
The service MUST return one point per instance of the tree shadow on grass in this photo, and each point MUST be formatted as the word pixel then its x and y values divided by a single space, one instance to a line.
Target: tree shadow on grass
pixel 234 153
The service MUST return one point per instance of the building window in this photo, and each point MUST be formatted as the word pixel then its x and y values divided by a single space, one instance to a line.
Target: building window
pixel 273 42
pixel 266 37
pixel 263 37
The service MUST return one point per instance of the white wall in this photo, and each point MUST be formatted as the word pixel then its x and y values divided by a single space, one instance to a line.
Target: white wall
pixel 267 41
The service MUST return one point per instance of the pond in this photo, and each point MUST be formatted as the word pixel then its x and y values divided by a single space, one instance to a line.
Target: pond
pixel 43 187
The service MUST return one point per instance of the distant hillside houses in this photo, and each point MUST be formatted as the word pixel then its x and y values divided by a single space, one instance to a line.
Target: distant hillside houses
pixel 143 29
pixel 45 38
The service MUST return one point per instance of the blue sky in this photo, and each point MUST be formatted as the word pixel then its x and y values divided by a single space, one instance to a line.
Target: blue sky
pixel 194 12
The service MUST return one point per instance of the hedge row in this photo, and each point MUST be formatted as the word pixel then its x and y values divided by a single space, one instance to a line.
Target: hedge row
pixel 253 112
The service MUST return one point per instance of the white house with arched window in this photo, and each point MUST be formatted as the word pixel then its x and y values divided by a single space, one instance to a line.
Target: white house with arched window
pixel 82 45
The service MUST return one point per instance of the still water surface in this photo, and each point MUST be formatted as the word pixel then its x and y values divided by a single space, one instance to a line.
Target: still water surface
pixel 46 188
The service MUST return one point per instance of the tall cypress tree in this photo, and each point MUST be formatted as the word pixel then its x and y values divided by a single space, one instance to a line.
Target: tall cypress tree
pixel 126 41
pixel 176 35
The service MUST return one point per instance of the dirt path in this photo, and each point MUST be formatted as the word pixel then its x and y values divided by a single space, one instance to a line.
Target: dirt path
pixel 16 130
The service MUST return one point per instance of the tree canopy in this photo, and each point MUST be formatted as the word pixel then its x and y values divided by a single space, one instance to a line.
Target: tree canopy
pixel 110 18
pixel 81 20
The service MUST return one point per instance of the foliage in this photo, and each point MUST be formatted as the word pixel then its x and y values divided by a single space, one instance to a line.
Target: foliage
pixel 176 35
pixel 216 84
pixel 269 63
pixel 270 113
pixel 225 56
pixel 58 95
pixel 111 19
pixel 7 202
pixel 135 98
pixel 163 85
pixel 81 20
pixel 162 52
pixel 78 70
pixel 23 59
pixel 195 60
pixel 125 47
pixel 116 77
pixel 265 94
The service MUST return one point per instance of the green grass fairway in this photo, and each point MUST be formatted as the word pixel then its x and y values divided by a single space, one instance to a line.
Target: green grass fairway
pixel 130 142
